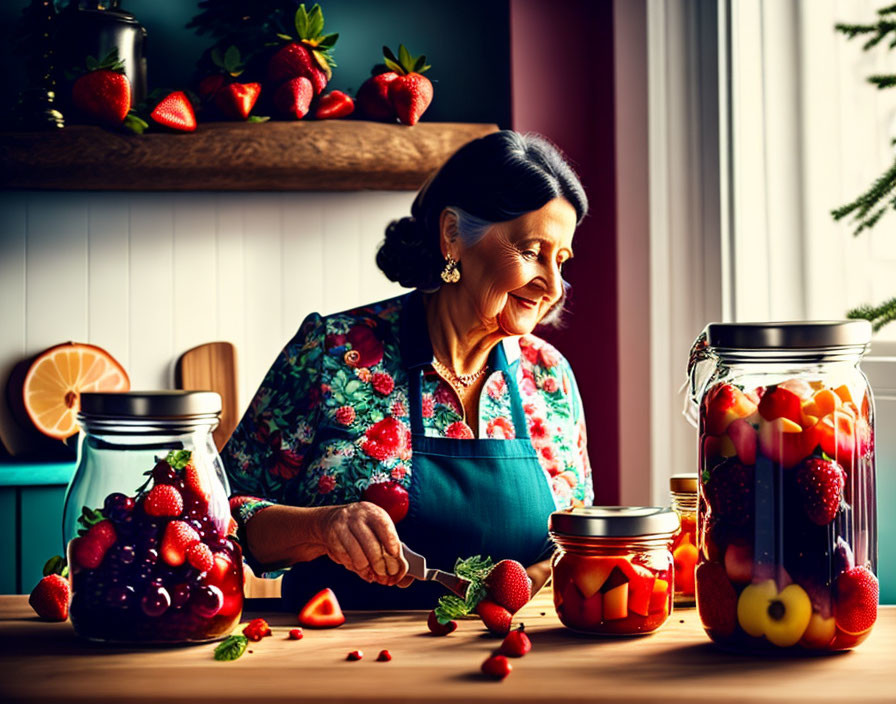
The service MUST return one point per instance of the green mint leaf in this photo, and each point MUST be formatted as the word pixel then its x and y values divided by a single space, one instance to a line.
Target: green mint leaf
pixel 178 459
pixel 231 648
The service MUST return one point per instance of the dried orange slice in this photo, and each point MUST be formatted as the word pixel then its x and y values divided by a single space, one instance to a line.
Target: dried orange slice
pixel 57 377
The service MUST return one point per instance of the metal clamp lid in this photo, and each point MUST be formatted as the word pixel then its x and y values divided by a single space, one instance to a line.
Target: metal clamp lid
pixel 614 521
pixel 789 335
pixel 150 404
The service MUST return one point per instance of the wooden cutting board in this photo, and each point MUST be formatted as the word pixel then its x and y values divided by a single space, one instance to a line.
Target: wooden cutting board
pixel 212 367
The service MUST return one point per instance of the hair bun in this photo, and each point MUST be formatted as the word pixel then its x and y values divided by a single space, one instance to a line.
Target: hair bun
pixel 405 255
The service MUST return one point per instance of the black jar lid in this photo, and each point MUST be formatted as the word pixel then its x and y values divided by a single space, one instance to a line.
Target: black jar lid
pixel 790 335
pixel 150 404
pixel 614 521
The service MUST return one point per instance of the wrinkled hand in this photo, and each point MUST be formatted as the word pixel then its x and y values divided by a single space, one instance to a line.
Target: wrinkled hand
pixel 362 538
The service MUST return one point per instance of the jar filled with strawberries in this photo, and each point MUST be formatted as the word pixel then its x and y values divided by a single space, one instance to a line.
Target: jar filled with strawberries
pixel 147 521
pixel 786 512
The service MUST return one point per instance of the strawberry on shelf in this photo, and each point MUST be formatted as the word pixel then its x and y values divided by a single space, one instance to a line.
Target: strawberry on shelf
pixel 103 94
pixel 410 92
pixel 306 54
pixel 220 90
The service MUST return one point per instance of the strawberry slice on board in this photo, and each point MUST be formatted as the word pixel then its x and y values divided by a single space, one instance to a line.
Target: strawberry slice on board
pixel 411 92
pixel 176 112
pixel 333 105
pixel 322 611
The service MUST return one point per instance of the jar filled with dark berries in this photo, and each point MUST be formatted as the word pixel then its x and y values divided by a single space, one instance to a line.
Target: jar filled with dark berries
pixel 147 521
pixel 787 536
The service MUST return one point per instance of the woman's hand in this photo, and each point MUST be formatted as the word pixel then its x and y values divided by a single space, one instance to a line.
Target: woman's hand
pixel 539 573
pixel 362 537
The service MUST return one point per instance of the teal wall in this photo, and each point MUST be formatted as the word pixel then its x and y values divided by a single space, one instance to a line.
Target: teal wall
pixel 467 44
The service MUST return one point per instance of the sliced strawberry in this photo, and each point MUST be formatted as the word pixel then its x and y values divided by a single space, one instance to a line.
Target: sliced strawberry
pixel 440 629
pixel 175 111
pixel 236 100
pixel 333 105
pixel 163 500
pixel 509 585
pixel 195 485
pixel 495 617
pixel 178 536
pixel 497 667
pixel 820 484
pixel 322 611
pixel 293 98
pixel 716 599
pixel 780 403
pixel 257 629
pixel 51 597
pixel 855 608
pixel 516 644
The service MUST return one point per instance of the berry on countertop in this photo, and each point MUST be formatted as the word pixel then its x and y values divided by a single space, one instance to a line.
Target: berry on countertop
pixel 296 634
pixel 497 667
pixel 355 655
pixel 51 597
pixel 257 629
pixel 384 656
pixel 820 484
pixel 516 644
pixel 440 629
pixel 163 500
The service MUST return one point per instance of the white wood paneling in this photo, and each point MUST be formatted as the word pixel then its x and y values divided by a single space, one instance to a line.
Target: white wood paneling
pixel 149 275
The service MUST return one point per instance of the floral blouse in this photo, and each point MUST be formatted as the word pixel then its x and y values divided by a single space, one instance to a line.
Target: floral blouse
pixel 331 416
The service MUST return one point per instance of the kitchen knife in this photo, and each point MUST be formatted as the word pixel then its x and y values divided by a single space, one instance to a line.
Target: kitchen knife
pixel 417 568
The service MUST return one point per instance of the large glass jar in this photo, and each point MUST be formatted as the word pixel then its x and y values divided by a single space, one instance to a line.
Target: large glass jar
pixel 612 573
pixel 147 522
pixel 787 521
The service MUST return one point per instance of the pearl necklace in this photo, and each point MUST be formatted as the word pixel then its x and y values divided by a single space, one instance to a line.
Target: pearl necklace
pixel 465 380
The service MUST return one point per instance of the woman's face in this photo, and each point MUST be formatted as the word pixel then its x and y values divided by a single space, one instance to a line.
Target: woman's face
pixel 512 275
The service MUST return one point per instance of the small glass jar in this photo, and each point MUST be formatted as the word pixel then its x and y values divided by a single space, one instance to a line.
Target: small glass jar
pixel 147 522
pixel 787 534
pixel 612 573
pixel 683 490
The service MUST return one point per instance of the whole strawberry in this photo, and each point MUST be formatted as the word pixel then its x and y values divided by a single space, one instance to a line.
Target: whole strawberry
pixel 373 97
pixel 730 492
pixel 437 628
pixel 820 485
pixel 411 92
pixel 103 94
pixel 163 500
pixel 516 644
pixel 307 55
pixel 497 667
pixel 495 617
pixel 232 100
pixel 293 98
pixel 51 597
pixel 509 585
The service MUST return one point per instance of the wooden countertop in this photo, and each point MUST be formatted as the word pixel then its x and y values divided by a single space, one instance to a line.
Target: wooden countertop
pixel 45 662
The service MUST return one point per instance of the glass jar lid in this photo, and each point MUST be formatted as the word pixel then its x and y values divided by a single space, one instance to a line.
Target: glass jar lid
pixel 790 335
pixel 150 404
pixel 614 521
pixel 685 483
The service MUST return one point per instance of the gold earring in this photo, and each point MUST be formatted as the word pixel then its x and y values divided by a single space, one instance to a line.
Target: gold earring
pixel 450 274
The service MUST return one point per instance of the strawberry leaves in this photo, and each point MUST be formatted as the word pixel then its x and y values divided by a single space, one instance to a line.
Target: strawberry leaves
pixel 474 569
pixel 89 517
pixel 405 63
pixel 56 565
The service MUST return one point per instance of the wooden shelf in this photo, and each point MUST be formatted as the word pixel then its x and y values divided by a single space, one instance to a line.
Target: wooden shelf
pixel 330 155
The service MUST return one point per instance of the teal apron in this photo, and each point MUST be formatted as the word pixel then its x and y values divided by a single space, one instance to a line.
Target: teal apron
pixel 467 497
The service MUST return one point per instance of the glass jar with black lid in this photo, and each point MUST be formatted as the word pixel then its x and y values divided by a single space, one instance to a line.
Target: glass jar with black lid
pixel 147 522
pixel 612 573
pixel 787 531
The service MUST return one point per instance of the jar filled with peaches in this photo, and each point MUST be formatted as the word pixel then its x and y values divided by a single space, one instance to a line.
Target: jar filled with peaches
pixel 787 543
pixel 612 573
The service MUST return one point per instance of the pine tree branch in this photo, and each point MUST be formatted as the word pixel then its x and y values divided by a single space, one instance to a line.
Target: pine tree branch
pixel 868 201
pixel 878 315
pixel 883 81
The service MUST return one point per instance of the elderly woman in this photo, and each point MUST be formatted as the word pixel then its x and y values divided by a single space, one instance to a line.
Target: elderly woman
pixel 436 418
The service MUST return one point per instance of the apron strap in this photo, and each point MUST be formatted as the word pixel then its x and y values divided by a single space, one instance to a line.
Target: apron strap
pixel 499 362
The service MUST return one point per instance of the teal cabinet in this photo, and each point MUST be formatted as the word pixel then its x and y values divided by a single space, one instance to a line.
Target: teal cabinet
pixel 31 500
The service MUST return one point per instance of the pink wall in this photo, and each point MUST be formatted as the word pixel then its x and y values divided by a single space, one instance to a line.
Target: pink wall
pixel 562 87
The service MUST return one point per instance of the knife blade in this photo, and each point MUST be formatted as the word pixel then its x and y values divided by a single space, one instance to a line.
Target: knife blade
pixel 417 568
